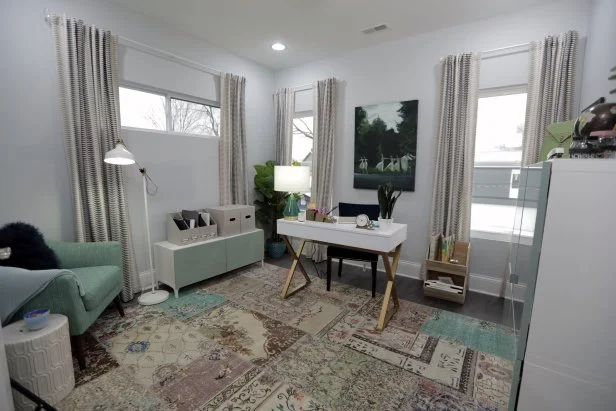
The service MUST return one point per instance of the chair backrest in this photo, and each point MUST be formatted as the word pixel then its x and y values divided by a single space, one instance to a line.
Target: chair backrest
pixel 350 210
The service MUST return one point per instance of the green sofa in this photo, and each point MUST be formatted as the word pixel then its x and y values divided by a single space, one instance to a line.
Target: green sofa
pixel 99 268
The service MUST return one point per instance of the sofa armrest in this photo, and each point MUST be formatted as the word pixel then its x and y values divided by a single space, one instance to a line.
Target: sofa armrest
pixel 61 297
pixel 75 255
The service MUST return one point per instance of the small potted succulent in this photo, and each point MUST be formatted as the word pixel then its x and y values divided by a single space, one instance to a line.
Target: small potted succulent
pixel 387 201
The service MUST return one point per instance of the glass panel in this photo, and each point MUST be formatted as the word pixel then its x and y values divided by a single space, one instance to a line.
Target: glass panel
pixel 301 147
pixel 142 109
pixel 302 143
pixel 500 126
pixel 525 247
pixel 194 118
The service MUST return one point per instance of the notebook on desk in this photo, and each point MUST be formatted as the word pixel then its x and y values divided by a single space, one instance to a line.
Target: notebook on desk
pixel 347 220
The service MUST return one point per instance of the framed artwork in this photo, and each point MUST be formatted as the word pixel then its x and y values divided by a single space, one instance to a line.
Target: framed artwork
pixel 386 145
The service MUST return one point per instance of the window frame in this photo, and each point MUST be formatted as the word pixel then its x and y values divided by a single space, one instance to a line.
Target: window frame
pixel 302 114
pixel 499 235
pixel 497 92
pixel 168 95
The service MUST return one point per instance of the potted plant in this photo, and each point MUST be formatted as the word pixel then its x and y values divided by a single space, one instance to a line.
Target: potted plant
pixel 387 201
pixel 270 207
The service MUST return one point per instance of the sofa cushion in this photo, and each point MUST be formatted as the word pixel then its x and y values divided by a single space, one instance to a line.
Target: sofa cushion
pixel 98 282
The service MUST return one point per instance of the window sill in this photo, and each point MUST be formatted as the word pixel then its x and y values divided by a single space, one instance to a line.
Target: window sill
pixel 501 236
pixel 169 133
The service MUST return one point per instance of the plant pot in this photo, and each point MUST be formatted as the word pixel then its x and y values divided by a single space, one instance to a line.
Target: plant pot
pixel 276 249
pixel 385 223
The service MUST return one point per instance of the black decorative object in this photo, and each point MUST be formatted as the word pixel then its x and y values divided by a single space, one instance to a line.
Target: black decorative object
pixel 28 248
pixel 599 117
pixel 386 145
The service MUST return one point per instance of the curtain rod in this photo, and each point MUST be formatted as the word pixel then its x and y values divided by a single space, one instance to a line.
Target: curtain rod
pixel 155 52
pixel 303 87
pixel 516 48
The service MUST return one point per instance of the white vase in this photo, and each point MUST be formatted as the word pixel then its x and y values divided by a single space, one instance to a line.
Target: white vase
pixel 385 223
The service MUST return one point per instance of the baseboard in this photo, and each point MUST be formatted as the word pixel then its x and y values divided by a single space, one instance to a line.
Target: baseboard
pixel 492 286
pixel 479 283
pixel 405 268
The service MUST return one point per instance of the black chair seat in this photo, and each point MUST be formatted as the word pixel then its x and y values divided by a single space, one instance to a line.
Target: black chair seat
pixel 348 254
pixel 350 210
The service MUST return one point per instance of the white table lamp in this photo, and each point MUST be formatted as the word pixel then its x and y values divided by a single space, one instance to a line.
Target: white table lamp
pixel 291 179
pixel 121 156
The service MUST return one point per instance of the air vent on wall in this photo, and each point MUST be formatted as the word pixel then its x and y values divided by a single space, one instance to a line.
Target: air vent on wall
pixel 374 29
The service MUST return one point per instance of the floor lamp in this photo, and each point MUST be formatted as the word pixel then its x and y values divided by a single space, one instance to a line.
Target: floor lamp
pixel 121 156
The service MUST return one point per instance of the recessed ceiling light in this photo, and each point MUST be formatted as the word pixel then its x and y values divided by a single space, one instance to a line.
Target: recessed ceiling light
pixel 278 46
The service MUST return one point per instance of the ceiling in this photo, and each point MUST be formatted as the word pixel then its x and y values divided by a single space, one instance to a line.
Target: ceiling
pixel 313 29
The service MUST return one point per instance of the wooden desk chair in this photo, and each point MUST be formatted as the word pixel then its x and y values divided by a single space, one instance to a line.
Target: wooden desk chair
pixel 351 210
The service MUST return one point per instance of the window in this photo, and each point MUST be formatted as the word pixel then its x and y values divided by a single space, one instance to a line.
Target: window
pixel 167 112
pixel 142 110
pixel 500 127
pixel 498 152
pixel 194 118
pixel 301 145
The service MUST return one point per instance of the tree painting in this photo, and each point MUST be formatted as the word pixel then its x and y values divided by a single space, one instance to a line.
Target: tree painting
pixel 386 145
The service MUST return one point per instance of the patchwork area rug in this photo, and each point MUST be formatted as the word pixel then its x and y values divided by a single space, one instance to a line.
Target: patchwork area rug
pixel 231 343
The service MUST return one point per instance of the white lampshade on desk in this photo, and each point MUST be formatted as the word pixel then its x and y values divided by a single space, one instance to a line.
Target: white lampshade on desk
pixel 292 179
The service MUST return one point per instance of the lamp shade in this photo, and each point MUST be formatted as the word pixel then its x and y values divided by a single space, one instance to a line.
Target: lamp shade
pixel 119 156
pixel 295 179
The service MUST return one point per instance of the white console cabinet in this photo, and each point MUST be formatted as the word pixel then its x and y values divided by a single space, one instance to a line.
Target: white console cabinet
pixel 182 265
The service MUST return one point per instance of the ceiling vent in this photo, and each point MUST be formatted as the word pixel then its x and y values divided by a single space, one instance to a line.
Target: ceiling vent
pixel 374 29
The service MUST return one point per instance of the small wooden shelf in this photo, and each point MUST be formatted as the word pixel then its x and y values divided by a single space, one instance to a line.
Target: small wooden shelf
pixel 457 272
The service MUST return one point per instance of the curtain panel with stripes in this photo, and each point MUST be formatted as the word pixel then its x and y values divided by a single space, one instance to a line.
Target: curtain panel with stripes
pixel 87 69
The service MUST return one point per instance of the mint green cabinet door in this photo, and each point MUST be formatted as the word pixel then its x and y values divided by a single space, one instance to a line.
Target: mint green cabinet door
pixel 197 263
pixel 244 249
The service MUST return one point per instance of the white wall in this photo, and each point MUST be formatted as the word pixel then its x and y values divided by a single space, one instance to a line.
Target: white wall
pixel 600 52
pixel 34 185
pixel 408 69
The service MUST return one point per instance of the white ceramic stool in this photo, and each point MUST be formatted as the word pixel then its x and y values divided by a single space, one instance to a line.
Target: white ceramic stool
pixel 40 360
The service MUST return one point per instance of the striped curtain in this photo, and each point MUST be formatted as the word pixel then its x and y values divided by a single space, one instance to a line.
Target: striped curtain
pixel 232 145
pixel 325 114
pixel 87 68
pixel 284 109
pixel 551 85
pixel 453 174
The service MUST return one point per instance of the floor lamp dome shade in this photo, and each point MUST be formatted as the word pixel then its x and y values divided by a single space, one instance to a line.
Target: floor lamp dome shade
pixel 119 156
pixel 291 179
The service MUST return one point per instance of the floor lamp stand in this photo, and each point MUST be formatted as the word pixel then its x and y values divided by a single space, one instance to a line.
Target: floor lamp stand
pixel 154 296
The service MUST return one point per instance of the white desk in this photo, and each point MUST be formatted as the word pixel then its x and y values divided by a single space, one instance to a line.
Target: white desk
pixel 385 242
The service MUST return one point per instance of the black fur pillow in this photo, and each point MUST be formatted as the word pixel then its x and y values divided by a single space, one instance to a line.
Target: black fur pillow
pixel 28 248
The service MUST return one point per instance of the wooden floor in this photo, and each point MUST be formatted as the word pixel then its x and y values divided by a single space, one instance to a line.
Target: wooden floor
pixel 477 305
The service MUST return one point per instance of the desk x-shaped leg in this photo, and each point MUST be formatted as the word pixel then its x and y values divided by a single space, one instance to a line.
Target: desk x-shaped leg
pixel 391 267
pixel 296 262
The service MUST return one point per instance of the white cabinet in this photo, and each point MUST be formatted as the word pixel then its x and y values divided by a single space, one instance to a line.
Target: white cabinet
pixel 182 265
pixel 570 359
